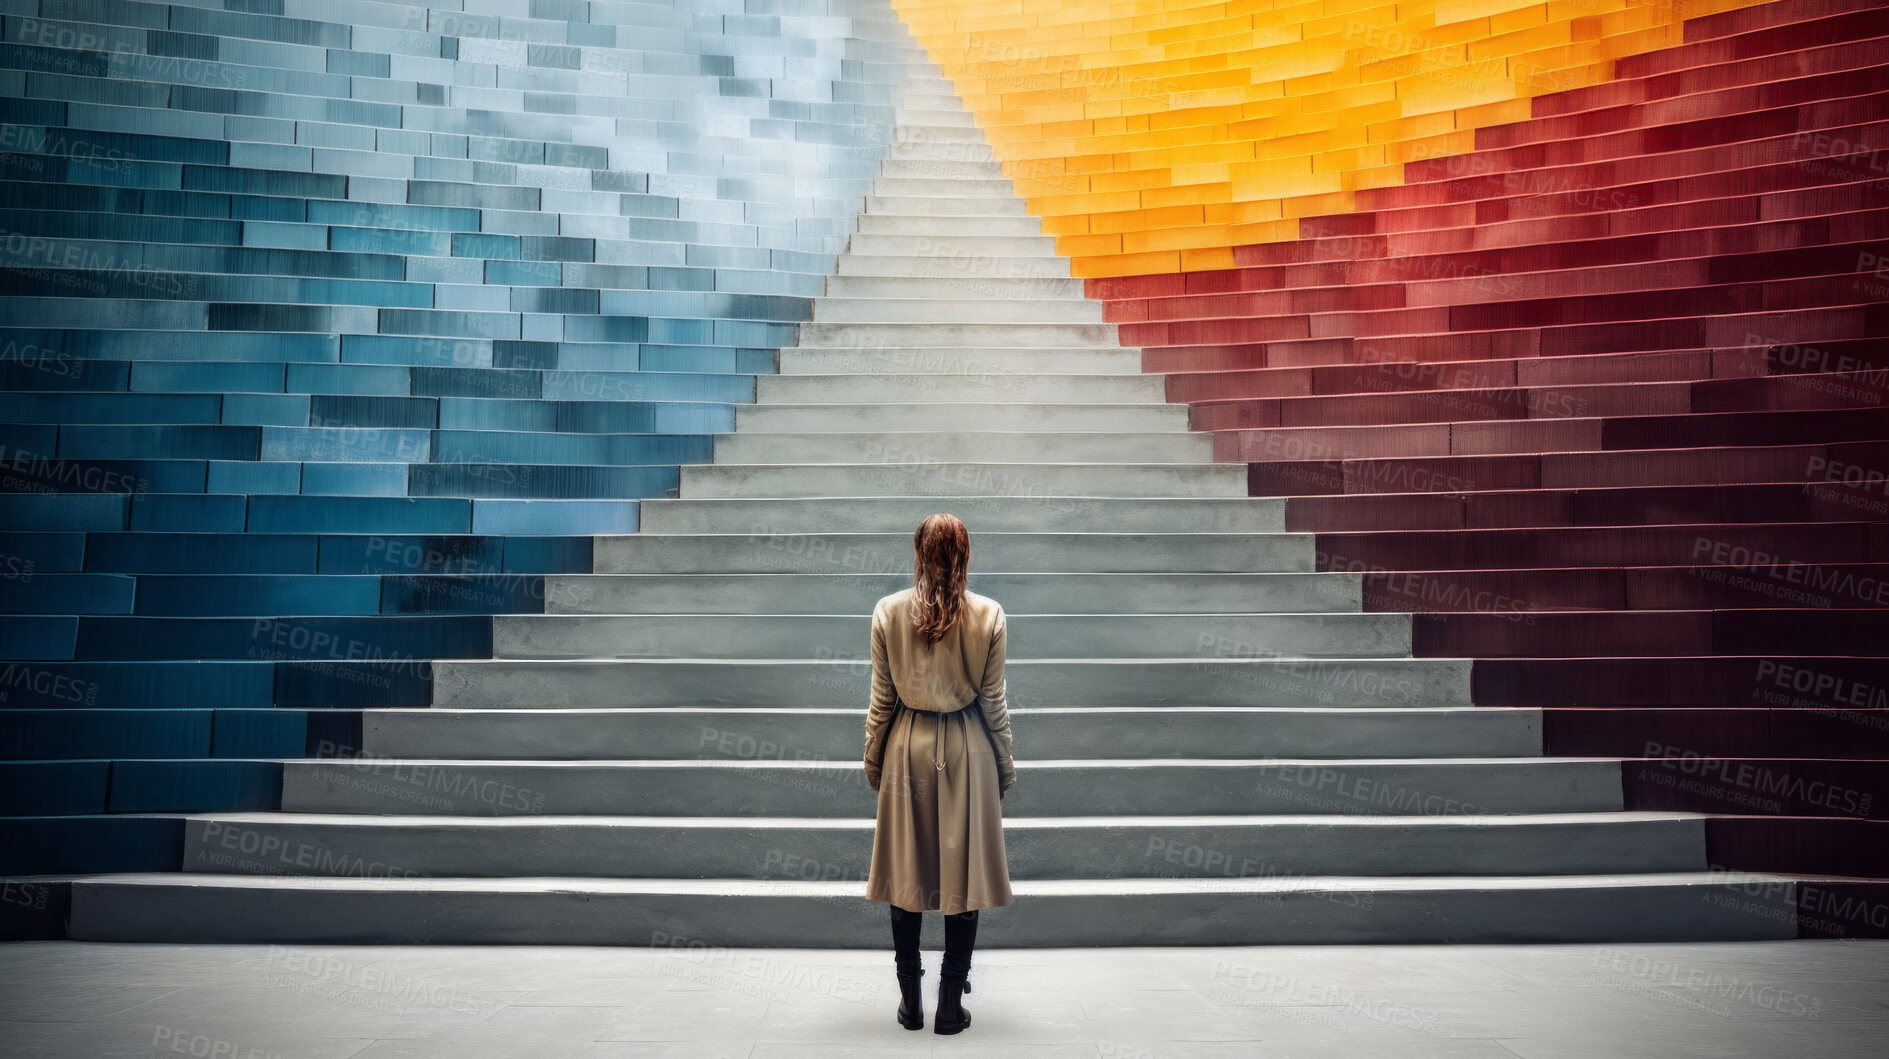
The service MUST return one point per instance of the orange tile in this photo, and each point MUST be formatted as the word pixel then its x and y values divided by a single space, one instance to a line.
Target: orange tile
pixel 1097 267
pixel 1144 219
pixel 1192 237
pixel 1075 246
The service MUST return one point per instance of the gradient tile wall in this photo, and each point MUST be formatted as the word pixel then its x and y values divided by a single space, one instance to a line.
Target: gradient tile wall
pixel 1155 135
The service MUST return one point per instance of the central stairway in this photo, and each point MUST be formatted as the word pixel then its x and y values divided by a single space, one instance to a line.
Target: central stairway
pixel 1216 744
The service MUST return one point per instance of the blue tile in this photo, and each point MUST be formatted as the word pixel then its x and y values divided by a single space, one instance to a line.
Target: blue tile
pixel 53 512
pixel 480 594
pixel 103 733
pixel 363 684
pixel 49 636
pixel 249 477
pixel 550 555
pixel 83 845
pixel 260 595
pixel 377 553
pixel 184 553
pixel 25 553
pixel 319 637
pixel 259 733
pixel 288 514
pixel 354 479
pixel 68 594
pixel 567 517
pixel 182 512
pixel 195 786
pixel 54 788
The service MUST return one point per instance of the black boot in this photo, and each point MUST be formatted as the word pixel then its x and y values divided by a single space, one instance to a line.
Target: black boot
pixel 905 926
pixel 960 937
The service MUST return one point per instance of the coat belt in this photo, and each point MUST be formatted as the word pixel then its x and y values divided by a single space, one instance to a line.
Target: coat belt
pixel 937 743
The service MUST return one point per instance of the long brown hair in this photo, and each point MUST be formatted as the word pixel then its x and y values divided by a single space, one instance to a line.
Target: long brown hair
pixel 941 562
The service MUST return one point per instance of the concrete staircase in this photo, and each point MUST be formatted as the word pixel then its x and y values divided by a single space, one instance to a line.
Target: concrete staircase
pixel 1217 744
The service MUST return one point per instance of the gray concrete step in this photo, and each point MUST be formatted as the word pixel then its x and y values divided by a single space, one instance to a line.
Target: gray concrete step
pixel 943 205
pixel 943 263
pixel 941 143
pixel 917 471
pixel 814 681
pixel 852 590
pixel 825 789
pixel 912 116
pixel 917 222
pixel 1025 307
pixel 1042 246
pixel 920 221
pixel 995 552
pixel 927 168
pixel 938 360
pixel 989 446
pixel 1080 422
pixel 1678 907
pixel 958 388
pixel 833 734
pixel 941 132
pixel 1103 847
pixel 983 514
pixel 833 636
pixel 929 333
pixel 937 94
pixel 924 187
pixel 968 288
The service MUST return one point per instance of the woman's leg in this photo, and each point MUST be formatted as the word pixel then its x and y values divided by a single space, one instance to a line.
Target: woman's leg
pixel 905 927
pixel 960 937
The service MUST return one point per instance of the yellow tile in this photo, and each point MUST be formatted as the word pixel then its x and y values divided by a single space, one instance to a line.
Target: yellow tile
pixel 1124 265
pixel 1201 174
pixel 1144 220
pixel 1348 159
pixel 1068 129
pixel 1411 127
pixel 1130 179
pixel 1088 245
pixel 1280 187
pixel 1534 14
pixel 1297 163
pixel 1521 41
pixel 1197 195
pixel 1207 259
pixel 1195 116
pixel 1065 224
pixel 1194 237
pixel 1089 163
pixel 1334 202
pixel 1503 112
pixel 1462 10
pixel 1264 232
pixel 1446 145
pixel 1252 211
pixel 1457 97
pixel 1109 202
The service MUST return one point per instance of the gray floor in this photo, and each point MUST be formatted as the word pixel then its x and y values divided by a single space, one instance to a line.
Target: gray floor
pixel 1776 1000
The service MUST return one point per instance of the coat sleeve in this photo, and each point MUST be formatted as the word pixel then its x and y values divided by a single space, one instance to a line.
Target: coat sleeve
pixel 996 708
pixel 879 709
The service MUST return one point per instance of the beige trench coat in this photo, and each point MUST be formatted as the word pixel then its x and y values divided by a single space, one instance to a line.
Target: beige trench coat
pixel 940 765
